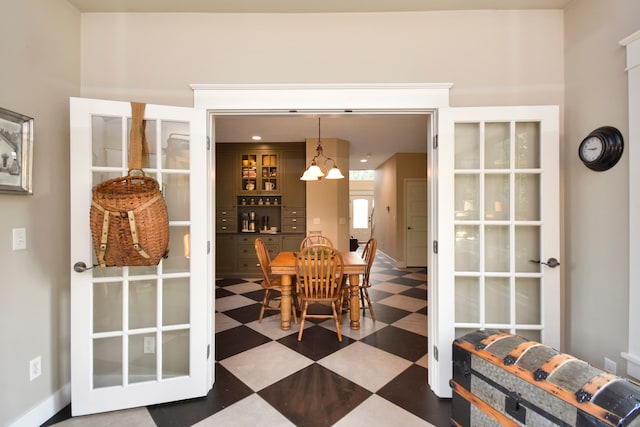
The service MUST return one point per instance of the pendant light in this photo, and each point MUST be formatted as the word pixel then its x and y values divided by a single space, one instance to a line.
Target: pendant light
pixel 314 172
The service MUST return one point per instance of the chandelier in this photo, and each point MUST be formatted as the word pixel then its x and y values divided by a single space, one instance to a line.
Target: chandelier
pixel 314 172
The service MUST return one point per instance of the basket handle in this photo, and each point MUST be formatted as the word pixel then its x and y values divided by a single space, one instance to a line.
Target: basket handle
pixel 138 150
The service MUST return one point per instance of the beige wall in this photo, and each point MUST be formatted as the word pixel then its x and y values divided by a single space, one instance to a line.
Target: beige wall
pixel 328 200
pixel 386 212
pixel 40 51
pixel 390 202
pixel 492 57
pixel 596 204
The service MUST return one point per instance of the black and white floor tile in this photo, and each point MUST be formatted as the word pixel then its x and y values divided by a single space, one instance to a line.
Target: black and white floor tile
pixel 377 375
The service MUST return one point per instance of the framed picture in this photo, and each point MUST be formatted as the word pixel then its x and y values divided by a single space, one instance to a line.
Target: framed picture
pixel 16 148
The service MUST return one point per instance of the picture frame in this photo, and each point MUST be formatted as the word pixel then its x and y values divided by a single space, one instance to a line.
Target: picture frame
pixel 16 152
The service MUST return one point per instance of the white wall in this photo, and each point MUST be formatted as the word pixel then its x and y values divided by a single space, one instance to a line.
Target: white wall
pixel 40 51
pixel 596 203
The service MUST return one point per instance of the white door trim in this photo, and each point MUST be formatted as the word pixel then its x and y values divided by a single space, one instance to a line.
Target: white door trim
pixel 383 98
pixel 341 97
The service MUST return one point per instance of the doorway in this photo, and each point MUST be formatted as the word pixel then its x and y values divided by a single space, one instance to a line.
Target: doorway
pixel 361 205
pixel 339 99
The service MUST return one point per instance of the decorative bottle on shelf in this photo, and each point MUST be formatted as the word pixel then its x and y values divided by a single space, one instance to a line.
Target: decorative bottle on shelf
pixel 245 222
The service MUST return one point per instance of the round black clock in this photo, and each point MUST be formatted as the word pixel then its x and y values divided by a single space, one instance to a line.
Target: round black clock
pixel 601 149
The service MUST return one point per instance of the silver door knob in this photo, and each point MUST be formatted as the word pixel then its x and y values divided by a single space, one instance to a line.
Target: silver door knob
pixel 551 262
pixel 80 267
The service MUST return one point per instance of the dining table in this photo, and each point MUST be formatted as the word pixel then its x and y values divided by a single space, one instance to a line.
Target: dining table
pixel 284 265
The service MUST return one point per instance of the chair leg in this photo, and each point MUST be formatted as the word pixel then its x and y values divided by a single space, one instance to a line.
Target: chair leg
pixel 302 317
pixel 293 311
pixel 335 316
pixel 343 303
pixel 366 294
pixel 265 303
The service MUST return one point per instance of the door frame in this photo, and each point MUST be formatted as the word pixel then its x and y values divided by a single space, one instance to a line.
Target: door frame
pixel 427 98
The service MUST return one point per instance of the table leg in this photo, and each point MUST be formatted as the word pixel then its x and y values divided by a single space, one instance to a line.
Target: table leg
pixel 354 300
pixel 285 303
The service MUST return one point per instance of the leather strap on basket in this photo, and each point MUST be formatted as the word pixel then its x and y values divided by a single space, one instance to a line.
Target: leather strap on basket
pixel 138 150
pixel 134 235
pixel 132 227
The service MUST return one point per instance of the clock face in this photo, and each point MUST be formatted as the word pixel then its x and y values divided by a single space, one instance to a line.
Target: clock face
pixel 591 149
pixel 601 149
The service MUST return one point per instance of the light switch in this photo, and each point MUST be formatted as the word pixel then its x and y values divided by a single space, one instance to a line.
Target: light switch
pixel 19 239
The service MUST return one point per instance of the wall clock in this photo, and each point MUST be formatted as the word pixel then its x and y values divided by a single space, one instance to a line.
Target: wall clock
pixel 601 149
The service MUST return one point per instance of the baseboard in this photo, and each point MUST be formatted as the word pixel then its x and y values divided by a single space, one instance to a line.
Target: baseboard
pixel 46 409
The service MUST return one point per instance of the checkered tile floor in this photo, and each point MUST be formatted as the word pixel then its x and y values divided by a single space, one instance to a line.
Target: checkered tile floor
pixel 377 376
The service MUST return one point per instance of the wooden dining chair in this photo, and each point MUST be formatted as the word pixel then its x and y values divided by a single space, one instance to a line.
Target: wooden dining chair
pixel 270 282
pixel 368 254
pixel 315 239
pixel 319 272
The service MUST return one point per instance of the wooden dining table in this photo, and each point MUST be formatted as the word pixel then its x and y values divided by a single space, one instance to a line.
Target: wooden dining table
pixel 284 264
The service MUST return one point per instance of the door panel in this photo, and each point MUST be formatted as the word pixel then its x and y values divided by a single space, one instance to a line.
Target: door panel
pixel 498 216
pixel 139 334
pixel 416 214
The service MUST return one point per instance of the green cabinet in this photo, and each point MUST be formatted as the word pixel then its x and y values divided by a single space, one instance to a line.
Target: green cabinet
pixel 260 181
pixel 225 254
pixel 259 172
pixel 294 190
pixel 226 215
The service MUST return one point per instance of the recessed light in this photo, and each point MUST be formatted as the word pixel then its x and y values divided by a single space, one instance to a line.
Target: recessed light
pixel 363 160
pixel 256 137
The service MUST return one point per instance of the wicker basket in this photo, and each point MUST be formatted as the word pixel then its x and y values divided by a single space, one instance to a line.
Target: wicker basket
pixel 128 216
pixel 129 222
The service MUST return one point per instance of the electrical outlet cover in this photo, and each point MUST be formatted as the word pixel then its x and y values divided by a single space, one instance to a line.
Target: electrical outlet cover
pixel 35 368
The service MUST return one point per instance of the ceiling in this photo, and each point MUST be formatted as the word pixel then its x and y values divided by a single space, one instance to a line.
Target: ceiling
pixel 371 137
pixel 374 137
pixel 306 6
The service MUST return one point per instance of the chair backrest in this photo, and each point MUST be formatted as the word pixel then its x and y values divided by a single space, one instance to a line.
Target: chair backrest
pixel 368 254
pixel 265 261
pixel 319 271
pixel 315 239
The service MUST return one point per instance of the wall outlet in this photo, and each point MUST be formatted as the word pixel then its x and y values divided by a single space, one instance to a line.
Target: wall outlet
pixel 149 345
pixel 35 368
pixel 609 365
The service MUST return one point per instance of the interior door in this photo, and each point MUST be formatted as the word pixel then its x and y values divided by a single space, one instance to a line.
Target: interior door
pixel 139 335
pixel 416 221
pixel 361 210
pixel 497 233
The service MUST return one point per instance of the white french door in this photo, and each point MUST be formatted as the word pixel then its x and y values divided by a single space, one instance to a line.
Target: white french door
pixel 497 229
pixel 140 335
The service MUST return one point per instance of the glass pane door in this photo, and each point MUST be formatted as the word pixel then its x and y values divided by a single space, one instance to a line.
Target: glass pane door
pixel 498 227
pixel 139 332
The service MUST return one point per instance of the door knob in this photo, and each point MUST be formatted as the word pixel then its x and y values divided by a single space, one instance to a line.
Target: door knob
pixel 80 267
pixel 551 262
